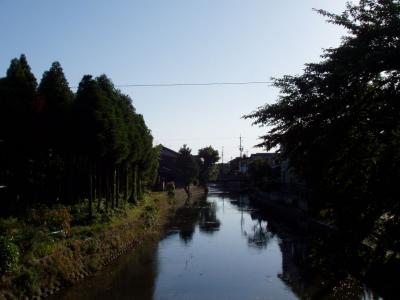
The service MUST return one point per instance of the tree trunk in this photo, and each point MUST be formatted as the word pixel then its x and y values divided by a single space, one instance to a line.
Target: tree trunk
pixel 112 190
pixel 100 193
pixel 116 187
pixel 91 194
pixel 95 183
pixel 126 183
pixel 139 186
pixel 135 185
pixel 107 193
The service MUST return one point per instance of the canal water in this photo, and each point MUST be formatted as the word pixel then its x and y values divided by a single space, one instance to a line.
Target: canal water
pixel 224 247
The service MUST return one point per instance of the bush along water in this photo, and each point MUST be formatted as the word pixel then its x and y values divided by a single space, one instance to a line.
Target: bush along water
pixel 9 255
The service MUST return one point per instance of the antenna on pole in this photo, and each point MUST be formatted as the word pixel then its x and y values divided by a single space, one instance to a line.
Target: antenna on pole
pixel 240 146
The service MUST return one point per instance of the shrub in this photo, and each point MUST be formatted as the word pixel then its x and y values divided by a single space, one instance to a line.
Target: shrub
pixel 149 215
pixel 9 255
pixel 9 226
pixel 42 248
pixel 27 282
pixel 170 187
pixel 55 219
pixel 79 213
pixel 91 247
pixel 94 263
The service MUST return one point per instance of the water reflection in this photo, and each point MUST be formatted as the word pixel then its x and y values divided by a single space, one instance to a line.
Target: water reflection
pixel 224 247
pixel 311 275
pixel 259 237
pixel 201 213
pixel 209 222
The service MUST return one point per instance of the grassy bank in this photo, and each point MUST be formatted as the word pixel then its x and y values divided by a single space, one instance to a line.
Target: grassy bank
pixel 51 259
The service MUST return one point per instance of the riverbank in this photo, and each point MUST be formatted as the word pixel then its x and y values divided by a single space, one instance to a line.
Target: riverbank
pixel 89 248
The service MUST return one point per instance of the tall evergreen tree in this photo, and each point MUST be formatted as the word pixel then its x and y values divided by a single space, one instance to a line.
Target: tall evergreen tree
pixel 17 95
pixel 57 146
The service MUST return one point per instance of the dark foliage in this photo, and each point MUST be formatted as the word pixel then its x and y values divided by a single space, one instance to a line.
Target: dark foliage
pixel 57 146
pixel 339 122
pixel 187 166
pixel 208 156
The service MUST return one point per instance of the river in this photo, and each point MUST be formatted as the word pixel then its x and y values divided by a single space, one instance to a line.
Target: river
pixel 224 247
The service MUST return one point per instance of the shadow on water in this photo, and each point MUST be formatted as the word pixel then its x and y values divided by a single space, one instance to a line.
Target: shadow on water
pixel 225 247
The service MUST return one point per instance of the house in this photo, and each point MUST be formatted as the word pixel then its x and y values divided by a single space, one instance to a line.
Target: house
pixel 244 165
pixel 167 168
pixel 271 158
pixel 240 165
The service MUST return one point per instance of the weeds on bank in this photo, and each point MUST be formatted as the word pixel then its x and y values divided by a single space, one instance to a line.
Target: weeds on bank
pixel 43 231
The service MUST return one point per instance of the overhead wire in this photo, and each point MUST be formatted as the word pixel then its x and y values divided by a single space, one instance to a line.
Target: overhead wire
pixel 178 84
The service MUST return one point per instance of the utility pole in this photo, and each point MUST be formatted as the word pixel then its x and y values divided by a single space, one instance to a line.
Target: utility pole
pixel 222 155
pixel 240 146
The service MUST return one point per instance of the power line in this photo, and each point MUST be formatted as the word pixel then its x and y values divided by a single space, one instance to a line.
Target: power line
pixel 178 84
pixel 194 84
pixel 207 138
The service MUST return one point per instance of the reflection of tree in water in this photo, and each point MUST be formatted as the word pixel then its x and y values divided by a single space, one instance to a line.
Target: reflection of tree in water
pixel 313 268
pixel 319 269
pixel 186 233
pixel 185 220
pixel 187 217
pixel 208 219
pixel 259 237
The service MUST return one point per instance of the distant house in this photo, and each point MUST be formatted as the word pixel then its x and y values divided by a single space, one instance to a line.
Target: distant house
pixel 237 166
pixel 289 175
pixel 167 169
pixel 223 170
pixel 240 165
pixel 244 165
pixel 271 158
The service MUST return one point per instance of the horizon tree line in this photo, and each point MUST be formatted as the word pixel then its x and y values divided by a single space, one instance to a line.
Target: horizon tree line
pixel 199 168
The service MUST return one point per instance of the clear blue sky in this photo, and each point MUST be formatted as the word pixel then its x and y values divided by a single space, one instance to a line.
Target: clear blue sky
pixel 163 41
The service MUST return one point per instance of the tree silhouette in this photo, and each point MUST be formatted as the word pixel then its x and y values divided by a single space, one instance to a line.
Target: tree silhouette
pixel 208 157
pixel 187 167
pixel 57 146
pixel 338 122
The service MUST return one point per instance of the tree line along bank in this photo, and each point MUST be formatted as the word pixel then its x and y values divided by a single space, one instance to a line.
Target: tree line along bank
pixel 57 146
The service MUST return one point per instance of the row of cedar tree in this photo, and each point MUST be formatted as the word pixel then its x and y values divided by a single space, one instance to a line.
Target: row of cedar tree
pixel 60 146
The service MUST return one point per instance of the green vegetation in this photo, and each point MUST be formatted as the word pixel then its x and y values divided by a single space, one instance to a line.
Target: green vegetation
pixel 208 156
pixel 339 124
pixel 74 173
pixel 170 188
pixel 60 147
pixel 52 258
pixel 193 169
pixel 9 255
pixel 261 175
pixel 188 169
pixel 73 167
